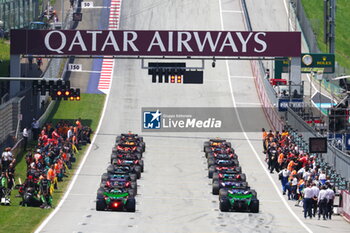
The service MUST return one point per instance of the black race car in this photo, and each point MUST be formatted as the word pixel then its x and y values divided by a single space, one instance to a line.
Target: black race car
pixel 122 170
pixel 131 139
pixel 122 147
pixel 126 155
pixel 232 176
pixel 227 184
pixel 115 199
pixel 212 144
pixel 117 182
pixel 221 155
pixel 135 165
pixel 223 162
pixel 239 199
pixel 224 169
pixel 222 149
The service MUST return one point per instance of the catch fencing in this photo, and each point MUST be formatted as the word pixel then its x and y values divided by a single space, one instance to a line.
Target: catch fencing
pixel 17 14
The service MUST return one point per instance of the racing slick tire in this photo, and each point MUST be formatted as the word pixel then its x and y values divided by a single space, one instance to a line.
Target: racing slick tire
pixel 236 162
pixel 131 192
pixel 206 144
pixel 207 150
pixel 100 192
pixel 243 177
pixel 104 177
pixel 100 204
pixel 254 193
pixel 103 184
pixel 216 188
pixel 254 206
pixel 134 186
pixel 117 139
pixel 238 169
pixel 228 144
pixel 113 157
pixel 223 193
pixel 211 162
pixel 110 169
pixel 130 205
pixel 215 176
pixel 141 164
pixel 114 150
pixel 225 204
pixel 133 177
pixel 245 184
pixel 138 155
pixel 138 171
pixel 143 145
pixel 211 170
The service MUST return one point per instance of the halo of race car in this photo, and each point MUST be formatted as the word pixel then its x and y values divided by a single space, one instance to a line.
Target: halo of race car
pixel 118 186
pixel 228 181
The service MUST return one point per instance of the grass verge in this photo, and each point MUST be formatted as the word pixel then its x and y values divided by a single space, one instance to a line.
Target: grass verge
pixel 16 218
pixel 314 11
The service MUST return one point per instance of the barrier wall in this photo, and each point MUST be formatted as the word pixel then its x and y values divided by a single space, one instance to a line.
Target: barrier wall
pixel 269 108
pixel 345 204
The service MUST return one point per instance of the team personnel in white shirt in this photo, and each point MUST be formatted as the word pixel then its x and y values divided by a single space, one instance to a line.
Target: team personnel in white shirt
pixel 308 195
pixel 322 202
pixel 316 191
pixel 330 198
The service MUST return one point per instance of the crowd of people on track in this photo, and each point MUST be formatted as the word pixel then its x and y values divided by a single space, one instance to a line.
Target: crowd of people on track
pixel 48 162
pixel 302 180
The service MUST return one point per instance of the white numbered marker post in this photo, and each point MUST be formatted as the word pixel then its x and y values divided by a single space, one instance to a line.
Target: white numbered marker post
pixel 75 67
pixel 87 4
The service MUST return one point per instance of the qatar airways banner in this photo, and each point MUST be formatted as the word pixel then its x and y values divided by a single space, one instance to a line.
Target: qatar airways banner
pixel 156 43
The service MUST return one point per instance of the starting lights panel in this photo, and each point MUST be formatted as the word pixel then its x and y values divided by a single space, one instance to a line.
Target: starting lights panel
pixel 58 90
pixel 175 72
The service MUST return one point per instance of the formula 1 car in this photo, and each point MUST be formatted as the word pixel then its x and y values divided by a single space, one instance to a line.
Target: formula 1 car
pixel 122 170
pixel 222 149
pixel 232 176
pixel 115 199
pixel 221 155
pixel 131 139
pixel 239 200
pixel 126 155
pixel 224 169
pixel 223 162
pixel 118 182
pixel 135 165
pixel 121 147
pixel 227 184
pixel 130 158
pixel 215 143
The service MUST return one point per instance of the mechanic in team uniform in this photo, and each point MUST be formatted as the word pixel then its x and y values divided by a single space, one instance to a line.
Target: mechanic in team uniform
pixel 45 192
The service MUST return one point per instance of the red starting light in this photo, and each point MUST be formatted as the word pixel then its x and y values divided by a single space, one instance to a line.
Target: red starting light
pixel 67 93
pixel 78 98
pixel 71 98
pixel 59 93
pixel 115 204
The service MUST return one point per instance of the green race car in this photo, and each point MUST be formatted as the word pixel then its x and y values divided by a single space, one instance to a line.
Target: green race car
pixel 115 199
pixel 238 200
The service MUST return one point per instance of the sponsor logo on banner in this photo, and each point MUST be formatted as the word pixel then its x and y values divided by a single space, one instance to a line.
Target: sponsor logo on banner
pixel 149 43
